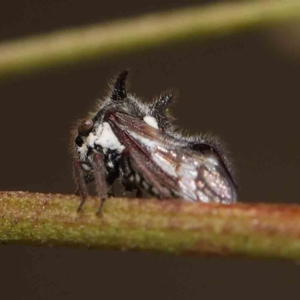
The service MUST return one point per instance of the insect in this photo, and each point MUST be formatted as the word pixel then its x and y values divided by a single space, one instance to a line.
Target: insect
pixel 136 143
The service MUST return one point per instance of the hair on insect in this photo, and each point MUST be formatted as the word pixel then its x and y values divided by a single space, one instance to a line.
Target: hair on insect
pixel 137 143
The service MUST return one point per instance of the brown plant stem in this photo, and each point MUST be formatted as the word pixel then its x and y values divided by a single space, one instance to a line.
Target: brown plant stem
pixel 70 46
pixel 172 226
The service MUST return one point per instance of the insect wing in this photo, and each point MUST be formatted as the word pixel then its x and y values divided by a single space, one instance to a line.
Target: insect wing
pixel 200 177
pixel 172 170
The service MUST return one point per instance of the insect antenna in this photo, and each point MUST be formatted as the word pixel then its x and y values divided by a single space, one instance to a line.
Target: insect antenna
pixel 119 87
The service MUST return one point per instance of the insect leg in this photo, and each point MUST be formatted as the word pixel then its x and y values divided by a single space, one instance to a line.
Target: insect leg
pixel 139 194
pixel 81 185
pixel 111 192
pixel 100 180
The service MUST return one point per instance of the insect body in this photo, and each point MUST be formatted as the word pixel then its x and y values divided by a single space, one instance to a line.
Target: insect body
pixel 135 142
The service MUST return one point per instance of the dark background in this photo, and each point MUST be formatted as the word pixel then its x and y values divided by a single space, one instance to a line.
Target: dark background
pixel 244 88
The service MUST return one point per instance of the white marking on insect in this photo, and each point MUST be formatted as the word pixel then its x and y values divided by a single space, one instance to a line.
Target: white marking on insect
pixel 151 121
pixel 145 141
pixel 187 187
pixel 145 184
pixel 173 154
pixel 200 184
pixel 82 151
pixel 202 196
pixel 185 170
pixel 110 164
pixel 91 140
pixel 162 149
pixel 105 138
pixel 212 160
pixel 190 183
pixel 86 167
pixel 217 183
pixel 137 177
pixel 154 190
pixel 166 164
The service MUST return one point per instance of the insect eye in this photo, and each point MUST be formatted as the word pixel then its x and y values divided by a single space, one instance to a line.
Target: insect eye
pixel 79 141
pixel 85 127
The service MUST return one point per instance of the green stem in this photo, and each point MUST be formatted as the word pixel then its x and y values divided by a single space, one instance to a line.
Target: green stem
pixel 249 230
pixel 103 40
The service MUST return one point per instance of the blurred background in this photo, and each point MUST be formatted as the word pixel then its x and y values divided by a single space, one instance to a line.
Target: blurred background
pixel 242 88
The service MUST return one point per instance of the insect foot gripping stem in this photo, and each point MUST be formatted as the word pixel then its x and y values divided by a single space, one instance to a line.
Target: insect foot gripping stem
pixel 135 142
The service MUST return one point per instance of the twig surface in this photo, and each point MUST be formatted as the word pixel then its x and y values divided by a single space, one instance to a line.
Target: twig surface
pixel 172 226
